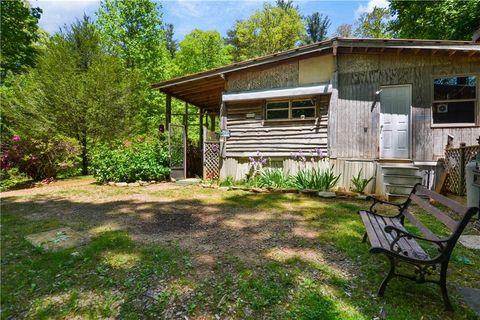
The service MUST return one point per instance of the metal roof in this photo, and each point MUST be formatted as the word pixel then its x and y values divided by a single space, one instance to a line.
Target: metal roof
pixel 204 89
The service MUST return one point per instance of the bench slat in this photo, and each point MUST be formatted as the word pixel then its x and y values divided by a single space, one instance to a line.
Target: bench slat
pixel 420 226
pixel 375 228
pixel 447 221
pixel 455 206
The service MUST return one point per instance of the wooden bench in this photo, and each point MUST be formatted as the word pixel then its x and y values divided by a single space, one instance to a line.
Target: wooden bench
pixel 387 235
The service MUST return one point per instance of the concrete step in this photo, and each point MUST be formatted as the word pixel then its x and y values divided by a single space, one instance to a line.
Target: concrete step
pixel 403 189
pixel 397 170
pixel 401 179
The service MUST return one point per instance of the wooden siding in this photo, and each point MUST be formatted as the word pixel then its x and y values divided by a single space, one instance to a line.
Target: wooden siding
pixel 272 138
pixel 271 77
pixel 354 128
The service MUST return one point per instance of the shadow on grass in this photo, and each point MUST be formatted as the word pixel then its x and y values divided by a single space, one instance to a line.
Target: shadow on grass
pixel 126 278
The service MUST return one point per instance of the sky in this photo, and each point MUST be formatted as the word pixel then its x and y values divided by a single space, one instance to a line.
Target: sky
pixel 187 15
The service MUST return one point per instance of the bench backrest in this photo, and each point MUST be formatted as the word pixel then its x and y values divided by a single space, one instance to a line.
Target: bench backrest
pixel 456 227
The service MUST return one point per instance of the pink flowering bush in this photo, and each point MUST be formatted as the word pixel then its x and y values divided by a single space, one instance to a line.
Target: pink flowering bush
pixel 40 158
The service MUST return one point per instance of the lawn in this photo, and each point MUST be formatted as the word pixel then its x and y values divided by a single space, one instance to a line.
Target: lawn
pixel 176 252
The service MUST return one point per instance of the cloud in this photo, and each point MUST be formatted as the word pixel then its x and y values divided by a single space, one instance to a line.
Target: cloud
pixel 369 7
pixel 57 13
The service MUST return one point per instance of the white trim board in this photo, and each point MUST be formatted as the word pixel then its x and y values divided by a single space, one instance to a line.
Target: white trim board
pixel 278 93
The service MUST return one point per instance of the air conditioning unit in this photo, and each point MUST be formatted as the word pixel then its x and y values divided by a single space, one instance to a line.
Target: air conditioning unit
pixel 442 108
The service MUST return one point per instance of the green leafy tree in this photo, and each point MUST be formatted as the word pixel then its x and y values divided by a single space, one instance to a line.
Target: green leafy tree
pixel 344 31
pixel 269 30
pixel 170 42
pixel 285 4
pixel 443 19
pixel 19 32
pixel 76 90
pixel 316 27
pixel 133 31
pixel 373 24
pixel 202 50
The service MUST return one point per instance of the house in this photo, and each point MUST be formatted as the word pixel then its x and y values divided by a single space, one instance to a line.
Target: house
pixel 386 106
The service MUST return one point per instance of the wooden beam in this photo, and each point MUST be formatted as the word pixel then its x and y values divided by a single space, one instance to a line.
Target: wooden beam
pixel 434 51
pixel 471 54
pixel 168 111
pixel 452 53
pixel 415 51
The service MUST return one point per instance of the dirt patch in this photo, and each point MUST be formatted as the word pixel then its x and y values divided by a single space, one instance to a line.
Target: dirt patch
pixel 199 220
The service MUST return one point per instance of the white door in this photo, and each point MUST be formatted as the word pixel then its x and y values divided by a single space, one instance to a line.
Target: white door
pixel 395 106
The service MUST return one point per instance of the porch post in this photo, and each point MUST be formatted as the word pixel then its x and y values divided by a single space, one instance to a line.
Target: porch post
pixel 185 120
pixel 168 111
pixel 212 122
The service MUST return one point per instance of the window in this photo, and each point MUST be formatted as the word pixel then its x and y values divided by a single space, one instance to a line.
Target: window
pixel 291 109
pixel 454 100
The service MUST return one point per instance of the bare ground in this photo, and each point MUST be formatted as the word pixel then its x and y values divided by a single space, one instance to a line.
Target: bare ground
pixel 210 224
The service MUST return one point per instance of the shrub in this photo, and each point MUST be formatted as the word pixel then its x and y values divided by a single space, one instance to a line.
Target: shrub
pixel 273 178
pixel 322 180
pixel 140 160
pixel 360 183
pixel 41 158
pixel 10 178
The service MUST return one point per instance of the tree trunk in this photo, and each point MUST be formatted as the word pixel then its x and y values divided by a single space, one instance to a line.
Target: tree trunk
pixel 84 156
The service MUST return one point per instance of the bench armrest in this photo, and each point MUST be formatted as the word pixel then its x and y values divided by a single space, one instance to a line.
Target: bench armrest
pixel 399 234
pixel 376 200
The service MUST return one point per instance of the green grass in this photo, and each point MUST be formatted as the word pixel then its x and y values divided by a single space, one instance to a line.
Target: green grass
pixel 112 275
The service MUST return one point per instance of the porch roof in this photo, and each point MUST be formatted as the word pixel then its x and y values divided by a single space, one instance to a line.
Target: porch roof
pixel 205 89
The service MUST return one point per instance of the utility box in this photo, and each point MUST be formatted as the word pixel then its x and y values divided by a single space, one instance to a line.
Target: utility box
pixel 472 172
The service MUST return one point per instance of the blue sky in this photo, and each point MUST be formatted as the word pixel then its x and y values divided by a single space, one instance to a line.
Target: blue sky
pixel 187 15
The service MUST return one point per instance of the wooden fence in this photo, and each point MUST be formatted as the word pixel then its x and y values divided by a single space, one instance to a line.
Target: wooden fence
pixel 456 160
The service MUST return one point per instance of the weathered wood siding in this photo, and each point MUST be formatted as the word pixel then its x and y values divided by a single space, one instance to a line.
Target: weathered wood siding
pixel 253 134
pixel 354 128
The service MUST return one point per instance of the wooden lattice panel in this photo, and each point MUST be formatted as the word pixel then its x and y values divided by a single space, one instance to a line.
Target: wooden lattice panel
pixel 211 163
pixel 456 160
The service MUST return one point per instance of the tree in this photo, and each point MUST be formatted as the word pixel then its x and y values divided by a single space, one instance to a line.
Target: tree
pixel 373 24
pixel 316 27
pixel 76 90
pixel 269 30
pixel 202 50
pixel 170 42
pixel 443 19
pixel 344 31
pixel 133 31
pixel 285 4
pixel 19 32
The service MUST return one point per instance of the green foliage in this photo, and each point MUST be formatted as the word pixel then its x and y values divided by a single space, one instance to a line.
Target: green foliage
pixel 316 27
pixel 19 27
pixel 359 182
pixel 344 31
pixel 316 179
pixel 41 158
pixel 443 19
pixel 269 30
pixel 227 182
pixel 75 90
pixel 135 161
pixel 202 50
pixel 133 30
pixel 373 24
pixel 273 178
pixel 10 178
